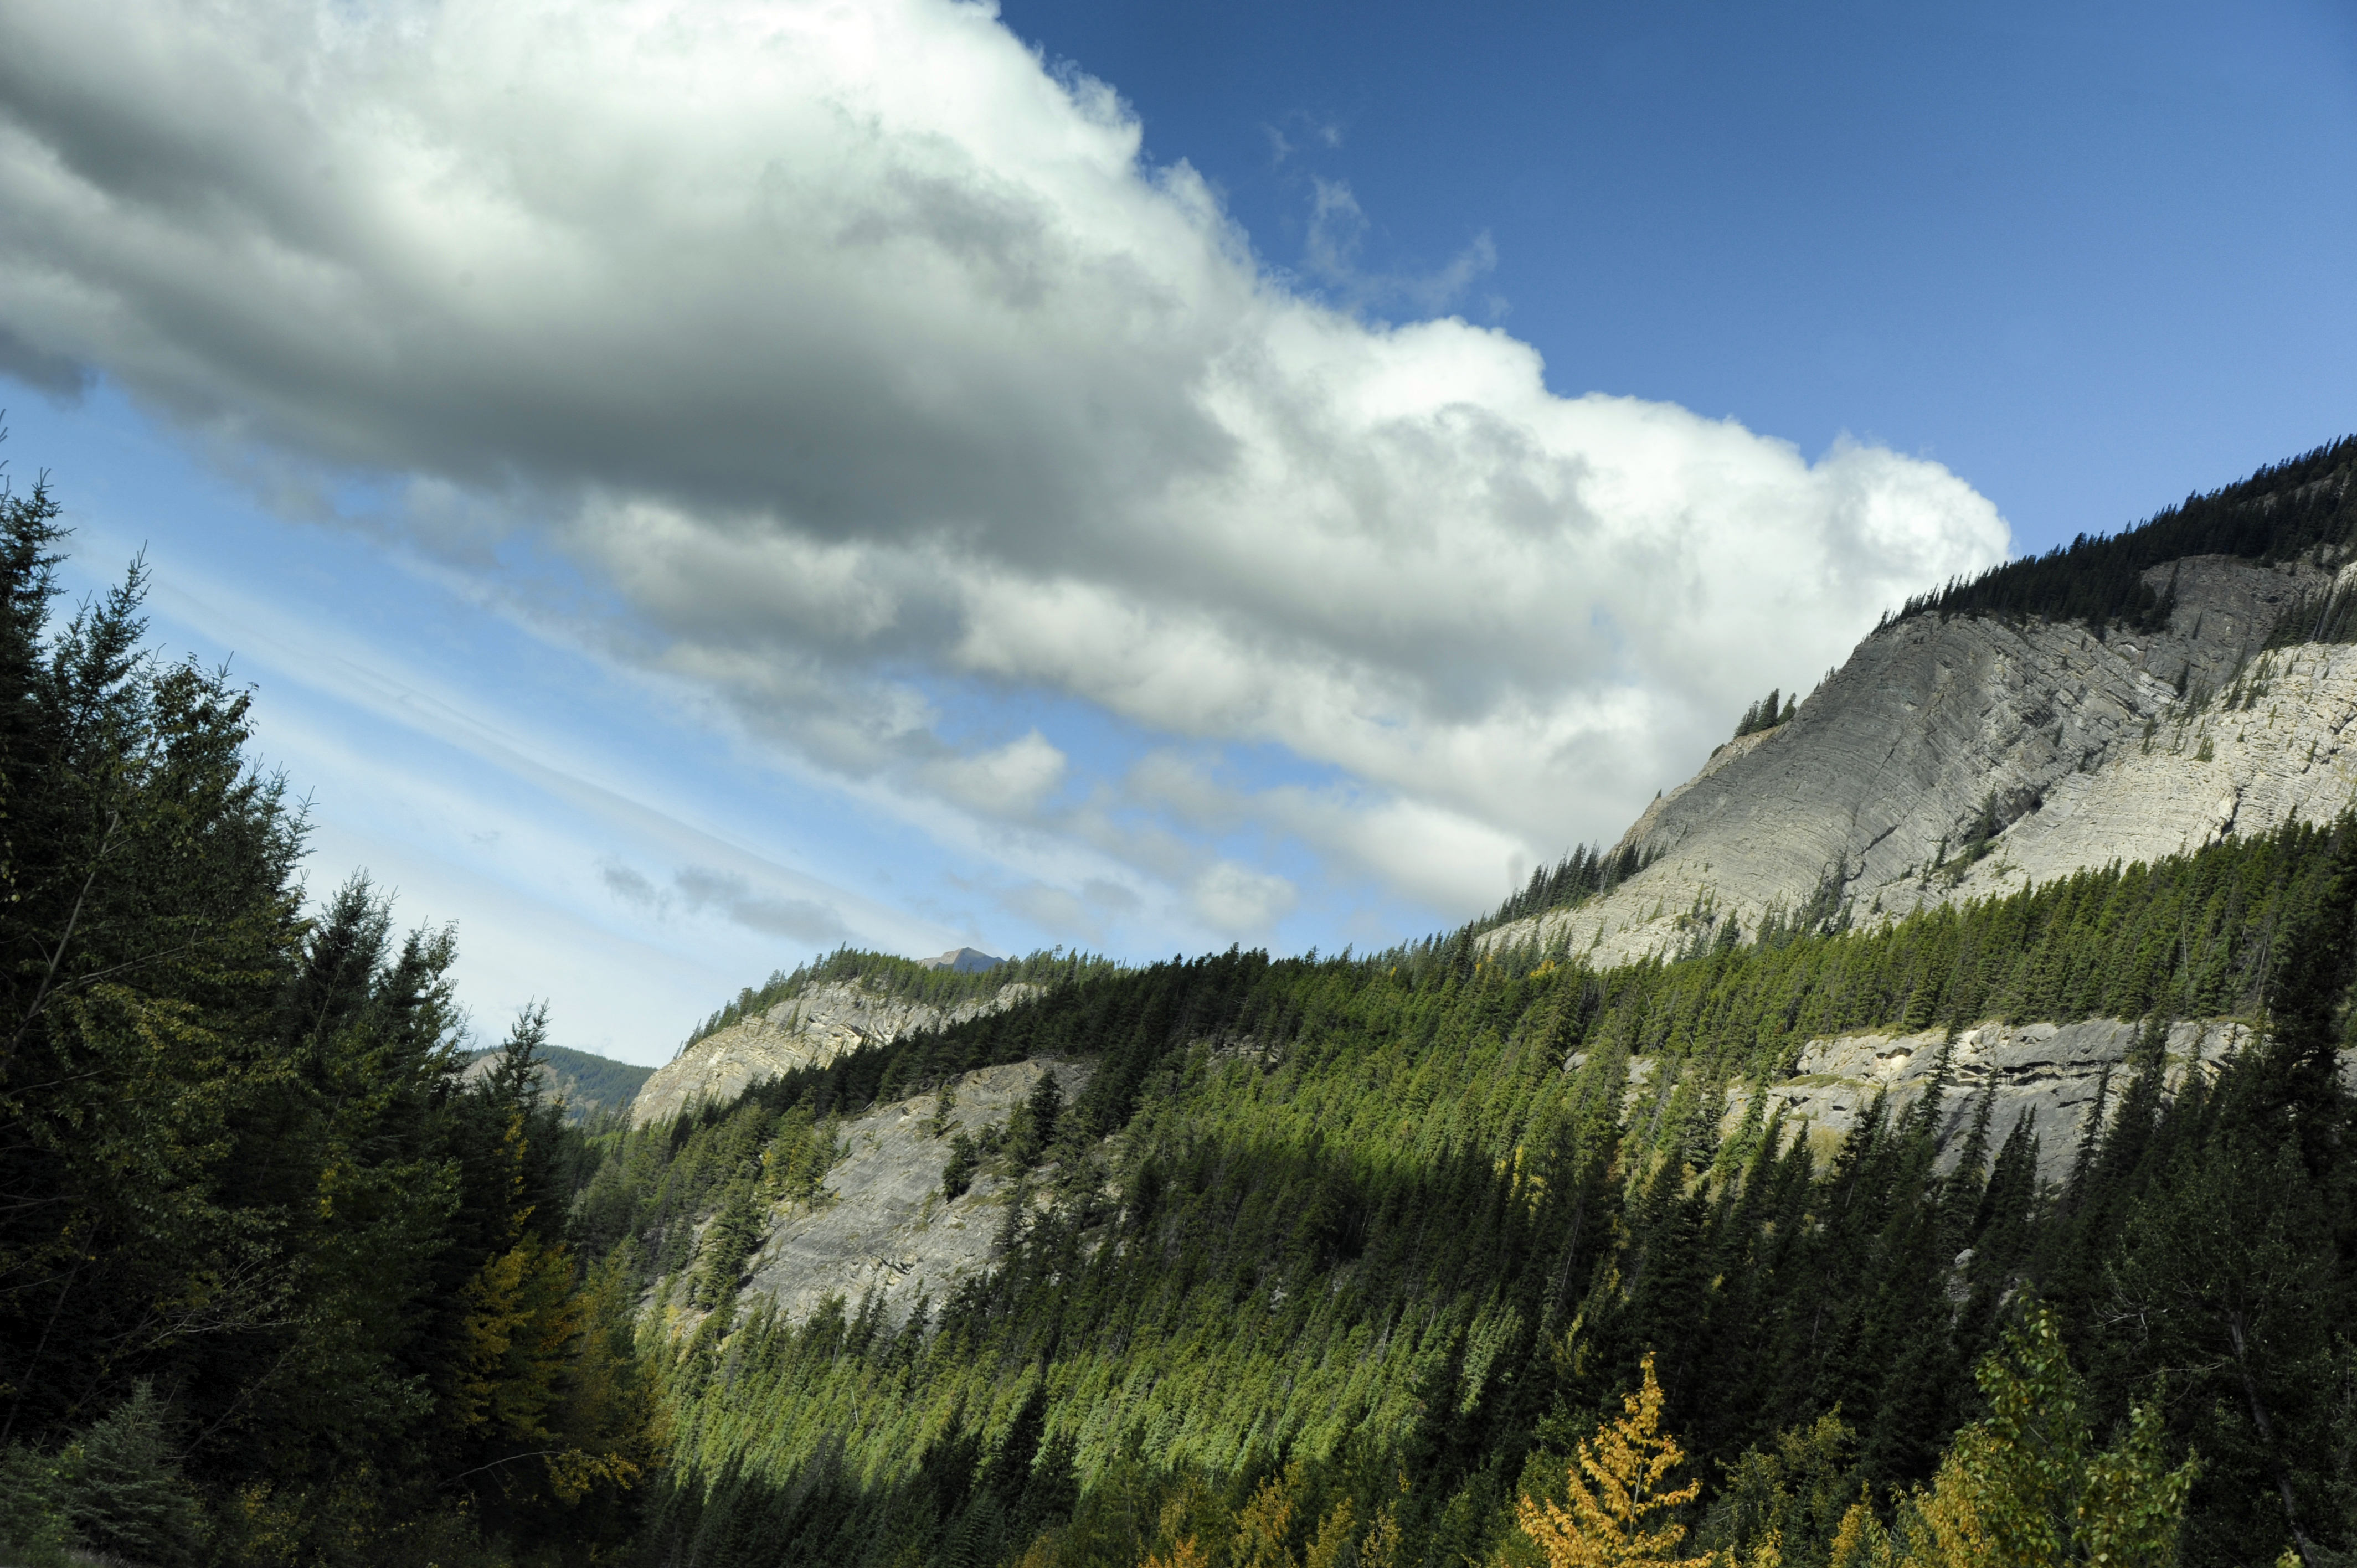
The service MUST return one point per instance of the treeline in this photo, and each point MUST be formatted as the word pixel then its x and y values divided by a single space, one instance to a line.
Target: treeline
pixel 2190 936
pixel 2279 512
pixel 1365 1262
pixel 1332 1261
pixel 1766 714
pixel 274 1288
pixel 589 1085
pixel 887 974
pixel 1587 872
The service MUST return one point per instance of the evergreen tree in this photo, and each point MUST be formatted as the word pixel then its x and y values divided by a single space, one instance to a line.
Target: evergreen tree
pixel 123 1494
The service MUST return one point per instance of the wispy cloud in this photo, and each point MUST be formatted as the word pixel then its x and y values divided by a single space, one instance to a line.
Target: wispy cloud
pixel 1337 234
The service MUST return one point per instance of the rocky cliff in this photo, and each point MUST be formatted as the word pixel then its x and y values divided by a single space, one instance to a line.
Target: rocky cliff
pixel 2080 749
pixel 810 1028
pixel 881 1223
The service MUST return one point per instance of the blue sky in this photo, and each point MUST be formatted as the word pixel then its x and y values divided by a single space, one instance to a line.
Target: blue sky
pixel 696 487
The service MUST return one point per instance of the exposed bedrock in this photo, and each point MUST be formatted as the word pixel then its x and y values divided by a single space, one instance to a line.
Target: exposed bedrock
pixel 881 1223
pixel 2053 1074
pixel 2081 747
pixel 809 1030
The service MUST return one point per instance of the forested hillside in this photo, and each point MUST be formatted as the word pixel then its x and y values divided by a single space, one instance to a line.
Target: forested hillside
pixel 1341 1245
pixel 588 1085
pixel 1438 1255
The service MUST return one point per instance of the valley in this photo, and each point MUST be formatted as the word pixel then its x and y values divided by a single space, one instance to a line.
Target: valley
pixel 1957 1069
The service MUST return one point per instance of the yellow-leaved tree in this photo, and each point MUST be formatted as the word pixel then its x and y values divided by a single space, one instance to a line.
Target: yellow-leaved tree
pixel 1621 1515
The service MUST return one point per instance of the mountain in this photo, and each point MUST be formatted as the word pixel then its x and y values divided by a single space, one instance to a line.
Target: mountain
pixel 963 960
pixel 588 1084
pixel 849 999
pixel 1976 1022
pixel 1959 755
pixel 810 1027
pixel 1927 1137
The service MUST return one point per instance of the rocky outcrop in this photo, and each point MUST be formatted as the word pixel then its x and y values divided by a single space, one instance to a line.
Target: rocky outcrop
pixel 808 1029
pixel 2052 1074
pixel 881 1223
pixel 2086 750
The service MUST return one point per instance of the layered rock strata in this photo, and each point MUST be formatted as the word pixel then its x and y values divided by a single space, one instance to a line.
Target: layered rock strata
pixel 2053 1075
pixel 809 1030
pixel 2086 750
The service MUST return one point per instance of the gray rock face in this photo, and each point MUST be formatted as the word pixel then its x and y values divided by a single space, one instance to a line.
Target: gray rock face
pixel 809 1030
pixel 882 1224
pixel 2084 746
pixel 2050 1073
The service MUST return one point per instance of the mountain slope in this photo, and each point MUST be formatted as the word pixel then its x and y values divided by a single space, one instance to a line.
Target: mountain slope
pixel 585 1082
pixel 809 1028
pixel 1955 754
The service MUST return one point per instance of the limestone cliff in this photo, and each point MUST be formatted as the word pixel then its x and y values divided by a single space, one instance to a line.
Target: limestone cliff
pixel 2086 750
pixel 2052 1074
pixel 810 1028
pixel 881 1224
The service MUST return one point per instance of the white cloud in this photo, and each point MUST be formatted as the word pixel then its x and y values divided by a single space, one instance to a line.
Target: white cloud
pixel 1008 781
pixel 701 889
pixel 843 345
pixel 1232 897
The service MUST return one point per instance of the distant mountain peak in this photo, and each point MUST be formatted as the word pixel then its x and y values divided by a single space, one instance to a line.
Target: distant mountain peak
pixel 964 961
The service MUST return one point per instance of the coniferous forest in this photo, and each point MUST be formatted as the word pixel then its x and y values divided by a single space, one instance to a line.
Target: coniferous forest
pixel 1442 1254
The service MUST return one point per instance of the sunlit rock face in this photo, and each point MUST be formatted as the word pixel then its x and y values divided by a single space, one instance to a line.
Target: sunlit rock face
pixel 2087 750
pixel 808 1029
pixel 880 1223
pixel 2054 1075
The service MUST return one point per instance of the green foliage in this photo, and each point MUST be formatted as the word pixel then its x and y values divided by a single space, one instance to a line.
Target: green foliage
pixel 1584 874
pixel 2289 509
pixel 1766 714
pixel 1793 1492
pixel 1361 1217
pixel 1032 1130
pixel 124 1493
pixel 2023 1489
pixel 33 1528
pixel 590 1086
pixel 237 1163
pixel 1331 1261
pixel 965 1158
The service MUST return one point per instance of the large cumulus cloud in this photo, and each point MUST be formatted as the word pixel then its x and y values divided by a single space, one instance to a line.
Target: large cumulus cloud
pixel 841 341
